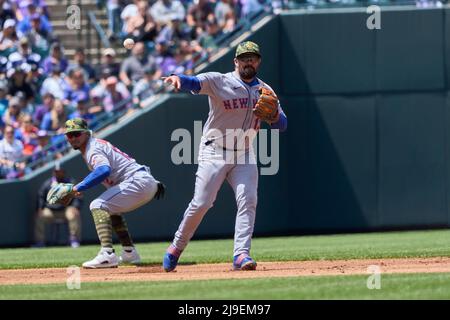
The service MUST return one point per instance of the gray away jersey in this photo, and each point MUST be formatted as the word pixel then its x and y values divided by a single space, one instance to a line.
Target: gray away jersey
pixel 231 103
pixel 101 152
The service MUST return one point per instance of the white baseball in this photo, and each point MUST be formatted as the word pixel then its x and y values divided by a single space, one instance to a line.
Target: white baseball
pixel 128 43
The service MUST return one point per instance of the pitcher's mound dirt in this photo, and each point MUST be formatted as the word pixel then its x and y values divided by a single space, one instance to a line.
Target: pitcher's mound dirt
pixel 224 271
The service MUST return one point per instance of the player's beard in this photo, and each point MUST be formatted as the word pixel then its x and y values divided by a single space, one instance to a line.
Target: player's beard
pixel 247 73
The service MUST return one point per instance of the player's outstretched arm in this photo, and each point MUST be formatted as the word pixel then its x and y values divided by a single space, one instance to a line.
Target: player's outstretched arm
pixel 94 178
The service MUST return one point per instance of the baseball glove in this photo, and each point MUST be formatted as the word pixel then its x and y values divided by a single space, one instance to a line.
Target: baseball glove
pixel 266 108
pixel 61 193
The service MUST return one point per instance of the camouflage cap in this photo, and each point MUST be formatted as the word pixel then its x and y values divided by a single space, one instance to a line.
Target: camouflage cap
pixel 247 47
pixel 76 124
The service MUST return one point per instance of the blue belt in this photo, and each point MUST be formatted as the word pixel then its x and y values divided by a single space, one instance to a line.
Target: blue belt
pixel 208 142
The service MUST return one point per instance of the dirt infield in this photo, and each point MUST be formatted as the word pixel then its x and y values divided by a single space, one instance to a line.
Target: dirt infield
pixel 224 271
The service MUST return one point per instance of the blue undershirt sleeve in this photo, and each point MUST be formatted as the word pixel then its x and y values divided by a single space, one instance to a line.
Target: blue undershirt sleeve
pixel 94 178
pixel 189 83
pixel 281 124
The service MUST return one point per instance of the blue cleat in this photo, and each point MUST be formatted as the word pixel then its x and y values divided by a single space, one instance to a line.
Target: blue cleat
pixel 243 262
pixel 170 262
pixel 171 257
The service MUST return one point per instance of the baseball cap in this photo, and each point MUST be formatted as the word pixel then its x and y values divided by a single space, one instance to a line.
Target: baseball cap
pixel 247 47
pixel 109 52
pixel 9 23
pixel 75 124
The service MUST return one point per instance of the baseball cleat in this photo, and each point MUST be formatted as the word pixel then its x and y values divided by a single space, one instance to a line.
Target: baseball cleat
pixel 171 257
pixel 130 256
pixel 104 259
pixel 170 262
pixel 243 262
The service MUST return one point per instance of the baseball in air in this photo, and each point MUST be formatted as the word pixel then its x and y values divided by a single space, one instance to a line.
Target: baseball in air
pixel 128 43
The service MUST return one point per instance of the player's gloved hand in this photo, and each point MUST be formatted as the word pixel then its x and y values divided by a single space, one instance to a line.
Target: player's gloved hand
pixel 62 193
pixel 266 108
pixel 160 192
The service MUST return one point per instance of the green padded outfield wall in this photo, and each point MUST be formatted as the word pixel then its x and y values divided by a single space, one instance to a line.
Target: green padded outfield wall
pixel 367 146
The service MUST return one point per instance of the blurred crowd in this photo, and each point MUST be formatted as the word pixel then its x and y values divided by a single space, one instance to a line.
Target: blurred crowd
pixel 40 88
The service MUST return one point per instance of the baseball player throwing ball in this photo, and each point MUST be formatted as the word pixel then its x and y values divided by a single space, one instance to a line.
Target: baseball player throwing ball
pixel 238 101
pixel 129 186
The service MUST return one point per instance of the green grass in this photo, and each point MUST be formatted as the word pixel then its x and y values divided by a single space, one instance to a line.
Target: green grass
pixel 393 286
pixel 349 246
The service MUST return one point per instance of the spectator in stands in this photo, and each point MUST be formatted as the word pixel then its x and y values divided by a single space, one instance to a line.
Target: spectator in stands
pixel 43 149
pixel 132 69
pixel 224 13
pixel 208 39
pixel 250 8
pixel 99 92
pixel 54 119
pixel 24 53
pixel 5 12
pixel 164 58
pixel 46 213
pixel 127 13
pixel 174 32
pixel 27 134
pixel 8 37
pixel 147 86
pixel 109 63
pixel 35 78
pixel 199 13
pixel 164 11
pixel 47 104
pixel 17 81
pixel 39 38
pixel 11 155
pixel 80 63
pixel 56 57
pixel 22 8
pixel 142 27
pixel 114 100
pixel 25 105
pixel 75 86
pixel 24 26
pixel 82 110
pixel 183 63
pixel 54 84
pixel 13 115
